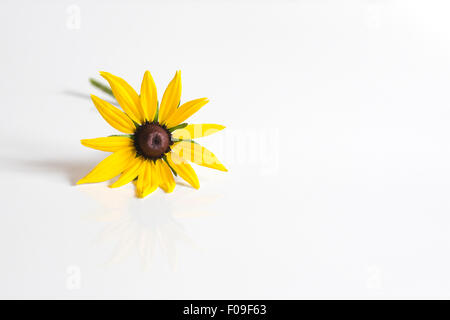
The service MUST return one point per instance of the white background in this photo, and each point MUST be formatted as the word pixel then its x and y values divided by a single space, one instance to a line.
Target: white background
pixel 337 145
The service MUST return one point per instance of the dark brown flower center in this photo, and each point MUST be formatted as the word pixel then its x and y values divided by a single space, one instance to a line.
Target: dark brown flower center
pixel 152 140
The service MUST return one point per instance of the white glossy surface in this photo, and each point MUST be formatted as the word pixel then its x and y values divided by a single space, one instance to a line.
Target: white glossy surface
pixel 337 142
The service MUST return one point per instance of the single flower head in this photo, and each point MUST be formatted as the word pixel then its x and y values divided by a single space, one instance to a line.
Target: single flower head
pixel 156 143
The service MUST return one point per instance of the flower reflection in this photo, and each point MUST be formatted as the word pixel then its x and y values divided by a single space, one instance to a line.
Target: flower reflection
pixel 145 228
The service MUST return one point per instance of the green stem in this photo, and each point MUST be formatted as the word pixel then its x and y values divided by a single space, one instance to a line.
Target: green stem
pixel 180 126
pixel 101 86
pixel 155 119
pixel 172 169
pixel 184 140
pixel 121 135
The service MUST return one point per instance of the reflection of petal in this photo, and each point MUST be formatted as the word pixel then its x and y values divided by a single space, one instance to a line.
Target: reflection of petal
pixel 116 229
pixel 143 228
pixel 112 199
pixel 192 214
pixel 195 203
pixel 123 249
pixel 133 234
pixel 147 248
pixel 168 248
pixel 107 216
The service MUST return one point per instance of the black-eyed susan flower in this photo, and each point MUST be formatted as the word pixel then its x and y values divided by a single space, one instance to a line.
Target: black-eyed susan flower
pixel 156 142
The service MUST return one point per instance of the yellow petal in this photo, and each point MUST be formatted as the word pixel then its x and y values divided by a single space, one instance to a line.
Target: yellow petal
pixel 194 131
pixel 154 181
pixel 143 176
pixel 110 166
pixel 126 96
pixel 167 182
pixel 197 154
pixel 130 173
pixel 149 98
pixel 116 118
pixel 148 179
pixel 185 111
pixel 110 144
pixel 171 98
pixel 184 169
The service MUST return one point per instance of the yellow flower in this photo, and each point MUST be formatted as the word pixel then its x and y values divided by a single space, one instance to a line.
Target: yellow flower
pixel 156 141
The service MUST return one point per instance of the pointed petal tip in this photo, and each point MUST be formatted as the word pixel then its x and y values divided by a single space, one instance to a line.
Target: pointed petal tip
pixel 139 194
pixel 219 127
pixel 108 76
pixel 104 74
pixel 114 186
pixel 195 183
pixel 149 191
pixel 85 142
pixel 95 100
pixel 220 167
pixel 167 189
pixel 81 181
